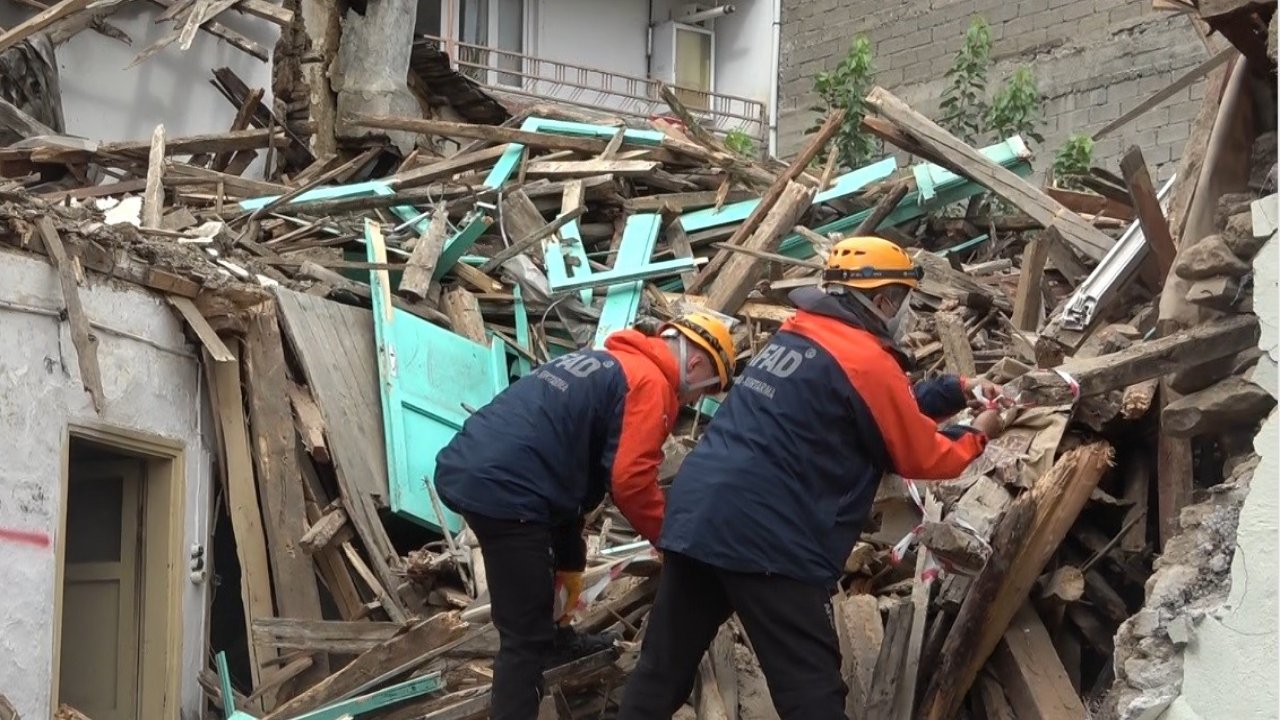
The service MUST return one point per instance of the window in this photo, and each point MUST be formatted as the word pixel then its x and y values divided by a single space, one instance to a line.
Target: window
pixel 684 56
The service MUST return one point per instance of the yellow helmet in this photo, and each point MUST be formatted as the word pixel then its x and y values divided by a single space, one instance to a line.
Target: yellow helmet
pixel 712 335
pixel 870 262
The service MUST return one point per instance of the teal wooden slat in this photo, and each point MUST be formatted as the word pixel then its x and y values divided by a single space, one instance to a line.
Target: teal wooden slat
pixel 428 376
pixel 553 252
pixel 621 302
pixel 522 365
pixel 845 185
pixel 622 274
pixel 369 702
pixel 456 247
pixel 321 193
pixel 506 165
pixel 510 159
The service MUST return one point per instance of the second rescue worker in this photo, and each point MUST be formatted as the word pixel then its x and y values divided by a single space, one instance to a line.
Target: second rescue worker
pixel 767 507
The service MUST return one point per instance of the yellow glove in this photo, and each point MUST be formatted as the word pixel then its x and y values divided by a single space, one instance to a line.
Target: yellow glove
pixel 571 583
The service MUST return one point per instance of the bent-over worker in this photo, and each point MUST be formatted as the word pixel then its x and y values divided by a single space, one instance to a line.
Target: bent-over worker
pixel 763 513
pixel 526 469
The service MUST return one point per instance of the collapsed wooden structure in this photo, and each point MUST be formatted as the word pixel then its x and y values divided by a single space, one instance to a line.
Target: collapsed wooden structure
pixel 352 300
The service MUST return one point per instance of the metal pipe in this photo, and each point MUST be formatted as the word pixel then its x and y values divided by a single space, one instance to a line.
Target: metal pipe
pixel 708 14
pixel 775 50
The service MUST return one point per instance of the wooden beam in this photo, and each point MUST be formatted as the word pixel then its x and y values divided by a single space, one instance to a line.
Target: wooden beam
pixel 1030 294
pixel 980 169
pixel 1191 160
pixel 1146 360
pixel 1150 215
pixel 399 654
pixel 42 21
pixel 463 311
pixel 1031 672
pixel 82 337
pixel 416 280
pixel 333 636
pixel 888 673
pixel 1024 540
pixel 447 168
pixel 905 698
pixel 588 168
pixel 197 144
pixel 731 286
pixel 492 133
pixel 533 238
pixel 1186 80
pixel 771 197
pixel 201 327
pixel 280 494
pixel 885 205
pixel 153 196
pixel 242 500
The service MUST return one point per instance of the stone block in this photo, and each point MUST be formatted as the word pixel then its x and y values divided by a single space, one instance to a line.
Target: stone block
pixel 1239 236
pixel 1208 258
pixel 1230 204
pixel 1224 294
pixel 1233 402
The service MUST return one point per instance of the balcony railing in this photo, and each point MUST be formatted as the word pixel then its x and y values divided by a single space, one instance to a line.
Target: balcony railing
pixel 596 89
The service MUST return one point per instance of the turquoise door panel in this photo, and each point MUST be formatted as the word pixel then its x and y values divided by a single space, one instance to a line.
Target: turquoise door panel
pixel 622 302
pixel 430 380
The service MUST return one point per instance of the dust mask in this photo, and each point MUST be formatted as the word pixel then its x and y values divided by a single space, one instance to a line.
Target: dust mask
pixel 685 387
pixel 893 324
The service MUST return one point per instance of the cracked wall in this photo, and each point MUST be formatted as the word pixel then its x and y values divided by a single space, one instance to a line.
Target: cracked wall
pixel 1231 655
pixel 1094 61
pixel 152 384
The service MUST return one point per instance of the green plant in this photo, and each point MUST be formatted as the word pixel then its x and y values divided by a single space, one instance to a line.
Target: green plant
pixel 1072 161
pixel 964 102
pixel 1017 107
pixel 845 88
pixel 740 143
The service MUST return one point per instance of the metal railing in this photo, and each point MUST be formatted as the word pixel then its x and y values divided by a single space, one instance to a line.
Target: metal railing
pixel 595 89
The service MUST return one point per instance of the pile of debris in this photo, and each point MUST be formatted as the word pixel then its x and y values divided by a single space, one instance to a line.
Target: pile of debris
pixel 353 310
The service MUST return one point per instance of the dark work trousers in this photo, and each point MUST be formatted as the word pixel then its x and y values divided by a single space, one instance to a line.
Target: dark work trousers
pixel 520 561
pixel 788 622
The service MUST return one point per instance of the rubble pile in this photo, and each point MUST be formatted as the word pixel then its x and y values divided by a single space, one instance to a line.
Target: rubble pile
pixel 351 309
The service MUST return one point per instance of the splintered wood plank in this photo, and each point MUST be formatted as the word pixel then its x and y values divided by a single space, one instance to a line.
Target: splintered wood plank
pixel 464 313
pixel 1026 537
pixel 201 327
pixel 955 344
pixel 771 197
pixel 1137 479
pixel 399 654
pixel 532 239
pixel 678 241
pixel 337 578
pixel 309 422
pixel 325 531
pixel 1191 160
pixel 1175 476
pixel 858 617
pixel 334 636
pixel 992 700
pixel 41 22
pixel 1150 215
pixel 1029 296
pixel 1031 672
pixel 279 487
pixel 242 501
pixel 444 169
pixel 334 344
pixel 904 700
pixel 1023 195
pixel 196 144
pixel 587 168
pixel 153 196
pixel 729 290
pixel 422 262
pixel 82 337
pixel 888 673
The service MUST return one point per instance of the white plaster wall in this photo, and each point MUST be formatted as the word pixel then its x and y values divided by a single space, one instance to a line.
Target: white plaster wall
pixel 742 50
pixel 146 389
pixel 103 101
pixel 605 34
pixel 1230 667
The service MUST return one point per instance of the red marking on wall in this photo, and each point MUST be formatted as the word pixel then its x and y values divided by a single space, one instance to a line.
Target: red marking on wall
pixel 25 537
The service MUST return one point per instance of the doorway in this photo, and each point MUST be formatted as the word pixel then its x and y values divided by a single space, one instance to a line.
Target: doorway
pixel 119 593
pixel 102 576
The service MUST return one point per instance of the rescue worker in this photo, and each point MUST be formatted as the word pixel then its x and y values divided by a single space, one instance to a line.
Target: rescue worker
pixel 763 513
pixel 527 467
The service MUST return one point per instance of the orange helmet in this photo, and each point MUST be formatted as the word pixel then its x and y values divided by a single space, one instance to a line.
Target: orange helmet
pixel 870 262
pixel 712 335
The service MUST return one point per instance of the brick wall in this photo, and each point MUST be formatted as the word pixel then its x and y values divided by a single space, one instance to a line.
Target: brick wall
pixel 1093 59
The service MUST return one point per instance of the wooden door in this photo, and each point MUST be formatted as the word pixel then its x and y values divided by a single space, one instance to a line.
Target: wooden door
pixel 98 673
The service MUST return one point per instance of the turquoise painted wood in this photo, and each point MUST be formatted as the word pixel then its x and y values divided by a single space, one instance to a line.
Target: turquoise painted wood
pixel 456 247
pixel 622 302
pixel 228 697
pixel 844 185
pixel 522 365
pixel 334 192
pixel 553 252
pixel 510 159
pixel 369 702
pixel 428 378
pixel 625 274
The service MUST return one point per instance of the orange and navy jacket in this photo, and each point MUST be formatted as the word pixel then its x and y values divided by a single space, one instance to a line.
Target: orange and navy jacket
pixel 550 446
pixel 784 476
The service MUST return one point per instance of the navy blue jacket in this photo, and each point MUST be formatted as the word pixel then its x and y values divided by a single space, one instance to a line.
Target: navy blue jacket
pixel 784 477
pixel 549 447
